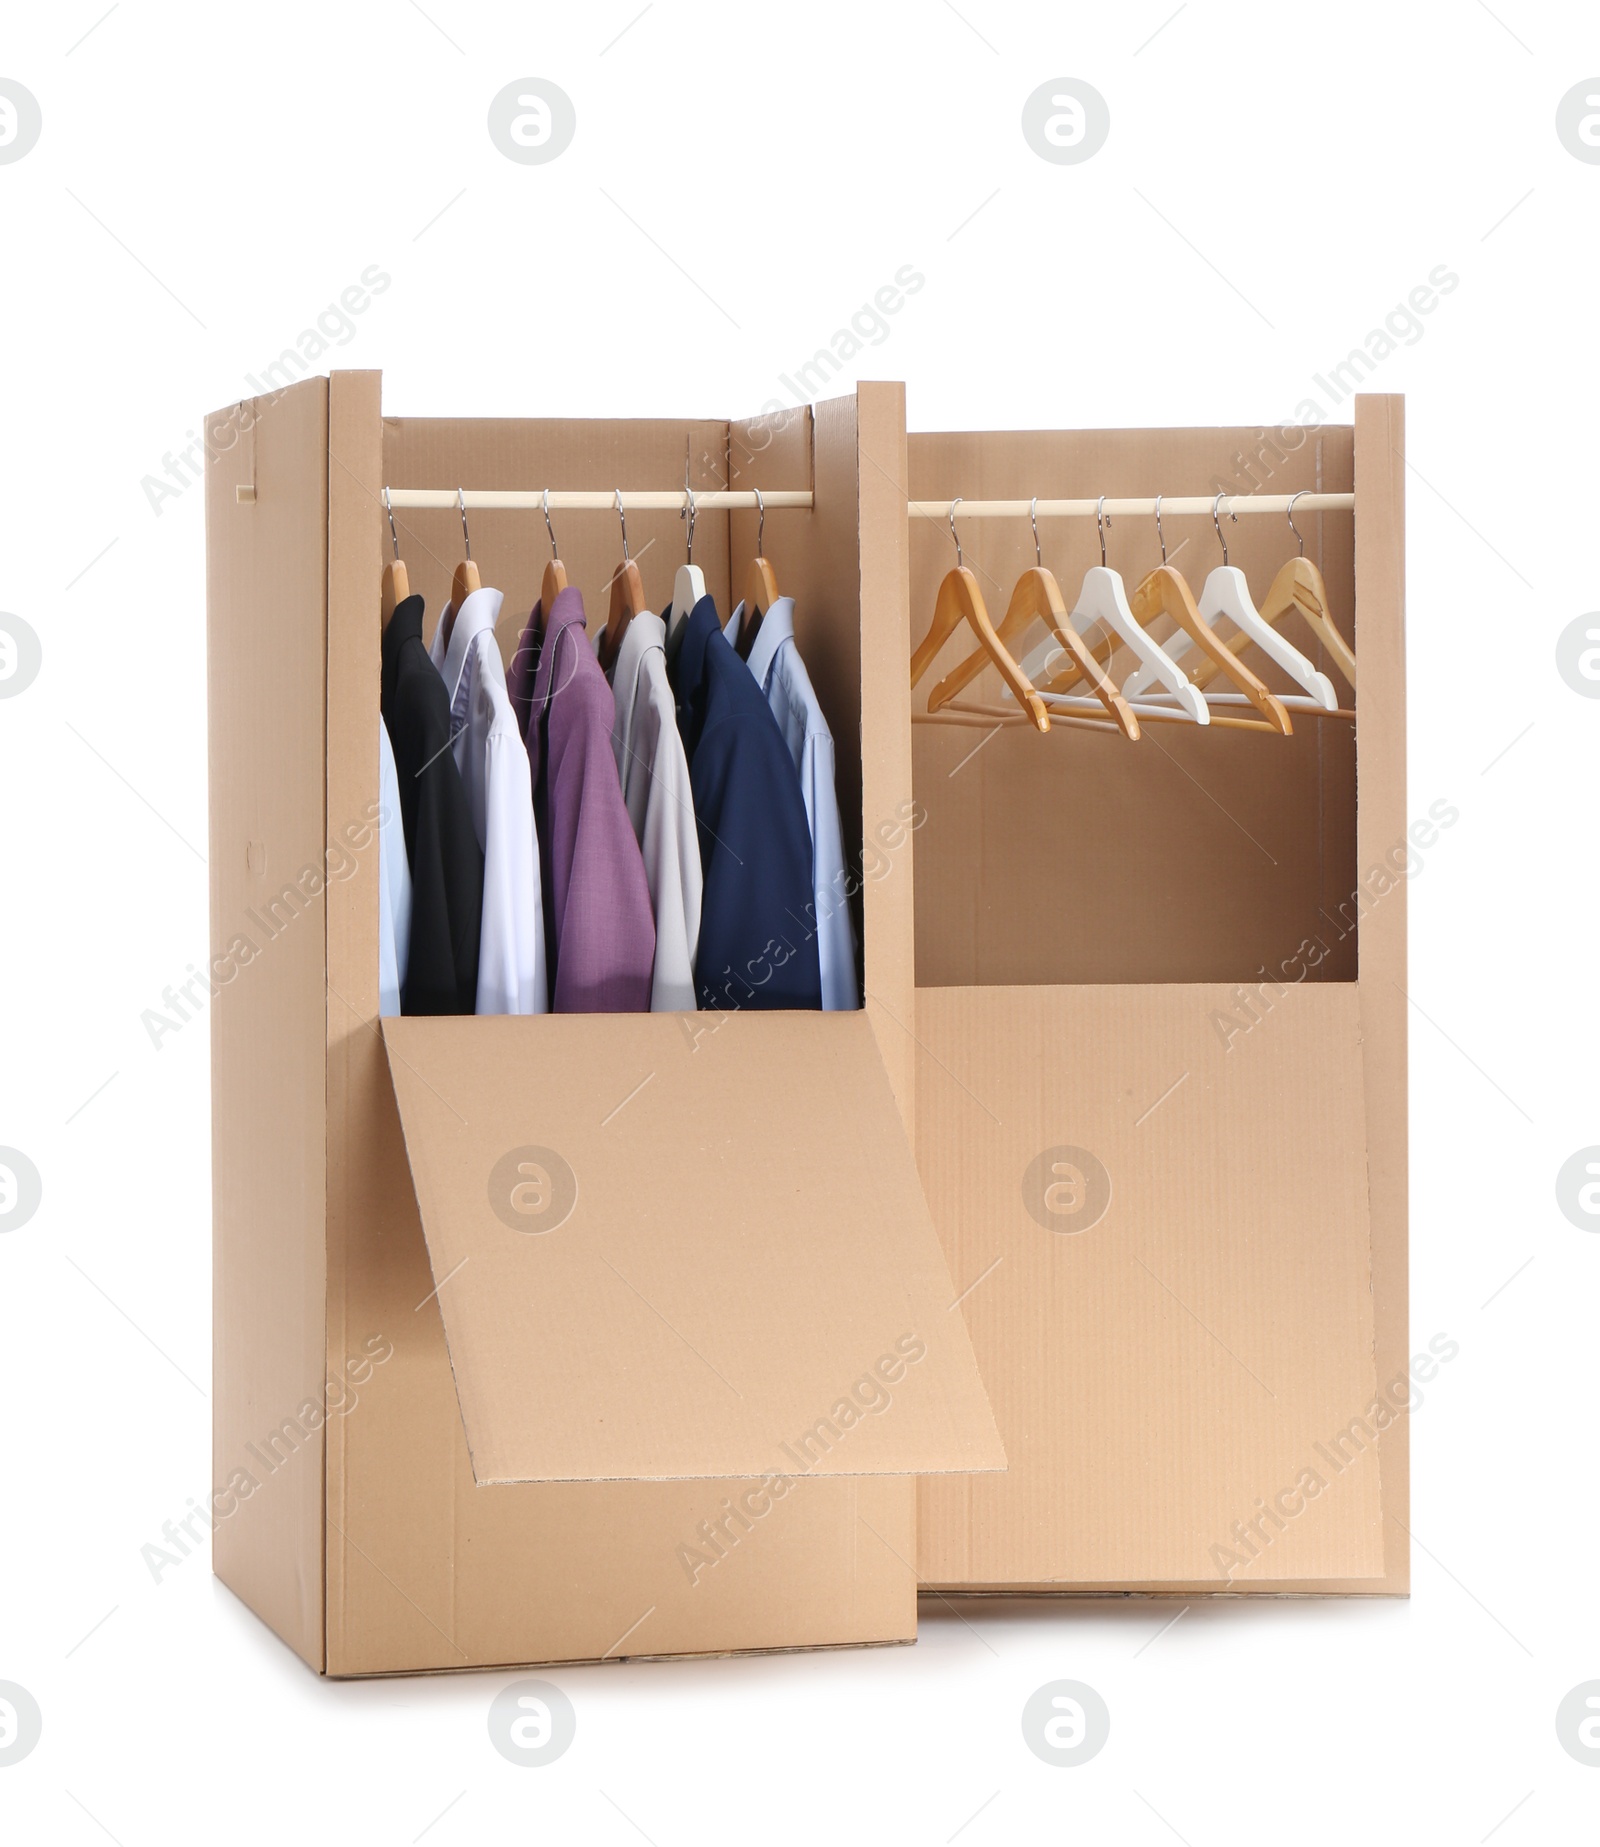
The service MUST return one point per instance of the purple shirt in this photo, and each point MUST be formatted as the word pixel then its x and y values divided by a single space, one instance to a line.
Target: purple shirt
pixel 600 937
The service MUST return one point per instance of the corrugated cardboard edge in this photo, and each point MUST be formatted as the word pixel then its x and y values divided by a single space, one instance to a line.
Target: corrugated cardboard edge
pixel 705 1654
pixel 354 1048
pixel 266 624
pixel 1381 821
pixel 883 468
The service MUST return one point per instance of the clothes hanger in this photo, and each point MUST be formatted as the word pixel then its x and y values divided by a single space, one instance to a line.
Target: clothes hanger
pixel 396 584
pixel 466 578
pixel 1103 600
pixel 554 580
pixel 1226 593
pixel 1163 592
pixel 690 584
pixel 627 596
pixel 961 600
pixel 760 585
pixel 1299 586
pixel 1037 597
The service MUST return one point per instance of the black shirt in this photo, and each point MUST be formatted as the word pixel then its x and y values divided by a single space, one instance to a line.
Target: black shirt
pixel 441 842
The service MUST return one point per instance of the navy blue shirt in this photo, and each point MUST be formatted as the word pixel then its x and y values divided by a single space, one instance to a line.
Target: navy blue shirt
pixel 758 937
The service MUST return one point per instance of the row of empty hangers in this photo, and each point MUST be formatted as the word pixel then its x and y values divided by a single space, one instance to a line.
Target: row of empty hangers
pixel 1077 690
pixel 627 597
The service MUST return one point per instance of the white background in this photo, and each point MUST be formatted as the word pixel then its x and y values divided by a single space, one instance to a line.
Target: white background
pixel 1276 180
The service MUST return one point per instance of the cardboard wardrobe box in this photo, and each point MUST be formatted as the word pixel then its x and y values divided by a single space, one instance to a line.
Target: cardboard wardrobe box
pixel 559 1338
pixel 1160 1024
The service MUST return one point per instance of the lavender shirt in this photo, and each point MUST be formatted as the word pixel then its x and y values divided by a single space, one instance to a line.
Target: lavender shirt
pixel 600 937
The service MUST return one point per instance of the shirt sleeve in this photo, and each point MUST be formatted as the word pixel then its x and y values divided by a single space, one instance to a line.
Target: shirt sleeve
pixel 511 963
pixel 394 883
pixel 671 847
pixel 836 948
pixel 758 948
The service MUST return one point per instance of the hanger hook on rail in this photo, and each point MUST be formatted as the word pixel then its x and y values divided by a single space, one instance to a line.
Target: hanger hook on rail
pixel 1033 520
pixel 761 521
pixel 466 537
pixel 623 518
pixel 688 494
pixel 1292 526
pixel 554 549
pixel 960 561
pixel 388 508
pixel 1102 522
pixel 1160 536
pixel 1221 537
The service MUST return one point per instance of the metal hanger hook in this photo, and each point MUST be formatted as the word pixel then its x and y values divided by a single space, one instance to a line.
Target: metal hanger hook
pixel 1160 536
pixel 1221 537
pixel 688 494
pixel 554 552
pixel 761 521
pixel 960 561
pixel 1033 520
pixel 1292 526
pixel 1102 522
pixel 395 535
pixel 624 520
pixel 466 537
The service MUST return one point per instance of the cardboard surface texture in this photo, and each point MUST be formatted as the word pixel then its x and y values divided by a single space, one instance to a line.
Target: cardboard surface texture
pixel 671 1246
pixel 1175 1316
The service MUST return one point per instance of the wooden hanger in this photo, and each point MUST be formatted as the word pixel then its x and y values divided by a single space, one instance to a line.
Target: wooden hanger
pixel 1037 596
pixel 554 580
pixel 1103 602
pixel 760 585
pixel 396 584
pixel 627 596
pixel 961 600
pixel 1226 593
pixel 1299 586
pixel 1163 592
pixel 690 583
pixel 466 579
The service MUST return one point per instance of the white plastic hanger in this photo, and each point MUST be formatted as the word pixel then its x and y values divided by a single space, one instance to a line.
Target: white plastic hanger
pixel 1226 593
pixel 1104 601
pixel 690 583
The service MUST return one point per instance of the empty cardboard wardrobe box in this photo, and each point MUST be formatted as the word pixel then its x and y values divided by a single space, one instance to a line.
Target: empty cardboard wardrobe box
pixel 1160 1029
pixel 681 1415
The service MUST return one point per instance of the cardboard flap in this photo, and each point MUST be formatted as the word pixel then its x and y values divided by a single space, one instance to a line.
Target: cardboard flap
pixel 671 1246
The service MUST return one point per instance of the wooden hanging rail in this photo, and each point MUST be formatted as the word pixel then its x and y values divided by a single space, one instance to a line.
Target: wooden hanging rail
pixel 602 500
pixel 1171 505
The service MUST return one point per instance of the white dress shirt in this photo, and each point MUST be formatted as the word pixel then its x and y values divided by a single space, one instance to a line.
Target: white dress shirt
pixel 394 882
pixel 781 674
pixel 493 761
pixel 655 791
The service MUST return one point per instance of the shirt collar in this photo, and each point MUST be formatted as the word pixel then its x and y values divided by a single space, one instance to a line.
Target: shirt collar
pixel 404 625
pixel 644 632
pixel 777 627
pixel 699 626
pixel 480 611
pixel 566 612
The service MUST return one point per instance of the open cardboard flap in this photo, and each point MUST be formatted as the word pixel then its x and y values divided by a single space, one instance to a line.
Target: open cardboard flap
pixel 670 1246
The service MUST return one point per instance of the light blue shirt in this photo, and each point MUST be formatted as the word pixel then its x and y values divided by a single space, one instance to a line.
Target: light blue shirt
pixel 781 674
